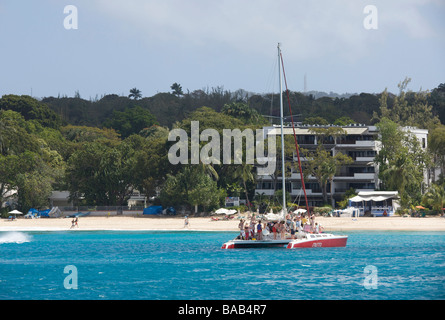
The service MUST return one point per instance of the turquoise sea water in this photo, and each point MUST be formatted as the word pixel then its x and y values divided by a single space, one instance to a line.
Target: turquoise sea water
pixel 191 266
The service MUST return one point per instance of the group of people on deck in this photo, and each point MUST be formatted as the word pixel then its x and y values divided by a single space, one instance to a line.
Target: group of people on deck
pixel 293 224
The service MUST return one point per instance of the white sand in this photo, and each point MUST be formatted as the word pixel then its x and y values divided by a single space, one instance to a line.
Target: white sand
pixel 206 224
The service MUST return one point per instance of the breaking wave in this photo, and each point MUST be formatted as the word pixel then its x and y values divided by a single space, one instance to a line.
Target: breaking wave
pixel 14 237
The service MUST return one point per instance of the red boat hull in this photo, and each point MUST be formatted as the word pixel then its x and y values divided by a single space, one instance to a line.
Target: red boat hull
pixel 324 240
pixel 333 241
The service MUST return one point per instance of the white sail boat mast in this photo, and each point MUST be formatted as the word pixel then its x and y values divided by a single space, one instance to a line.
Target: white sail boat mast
pixel 283 171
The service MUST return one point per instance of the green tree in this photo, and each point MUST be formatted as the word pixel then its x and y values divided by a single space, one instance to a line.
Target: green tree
pixel 191 186
pixel 437 100
pixel 27 163
pixel 210 119
pixel 435 197
pixel 315 120
pixel 244 173
pixel 151 155
pixel 130 121
pixel 408 108
pixel 398 176
pixel 242 111
pixel 321 163
pixel 10 167
pixel 31 109
pixel 436 144
pixel 176 89
pixel 345 201
pixel 205 193
pixel 344 121
pixel 135 94
pixel 402 162
pixel 14 138
pixel 102 174
pixel 82 134
pixel 323 166
pixel 34 188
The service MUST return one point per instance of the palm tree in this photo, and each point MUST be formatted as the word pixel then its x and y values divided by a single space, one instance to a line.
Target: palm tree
pixel 323 167
pixel 209 170
pixel 135 94
pixel 401 176
pixel 435 197
pixel 176 89
pixel 244 171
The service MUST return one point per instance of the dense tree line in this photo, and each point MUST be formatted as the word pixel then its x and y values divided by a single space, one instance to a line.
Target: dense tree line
pixel 103 149
pixel 168 107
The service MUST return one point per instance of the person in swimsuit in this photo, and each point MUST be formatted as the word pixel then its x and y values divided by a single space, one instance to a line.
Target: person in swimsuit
pixel 241 228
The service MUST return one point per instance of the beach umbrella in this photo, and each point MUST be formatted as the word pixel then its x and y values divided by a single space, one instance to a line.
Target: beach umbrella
pixel 300 211
pixel 420 207
pixel 229 212
pixel 15 212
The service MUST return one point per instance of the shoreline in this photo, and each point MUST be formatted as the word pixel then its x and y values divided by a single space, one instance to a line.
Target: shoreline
pixel 138 223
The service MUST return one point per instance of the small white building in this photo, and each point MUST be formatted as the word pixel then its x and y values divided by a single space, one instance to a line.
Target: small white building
pixel 375 203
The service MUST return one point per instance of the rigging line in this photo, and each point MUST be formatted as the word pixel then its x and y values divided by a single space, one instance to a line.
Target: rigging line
pixel 295 136
pixel 270 86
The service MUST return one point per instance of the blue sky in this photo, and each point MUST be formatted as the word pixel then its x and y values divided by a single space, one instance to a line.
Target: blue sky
pixel 150 44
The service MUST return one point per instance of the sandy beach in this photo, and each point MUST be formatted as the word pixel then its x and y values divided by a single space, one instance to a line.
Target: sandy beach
pixel 206 224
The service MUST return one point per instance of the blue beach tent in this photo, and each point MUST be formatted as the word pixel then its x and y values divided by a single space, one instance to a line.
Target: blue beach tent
pixel 33 212
pixel 153 210
pixel 44 213
pixel 41 213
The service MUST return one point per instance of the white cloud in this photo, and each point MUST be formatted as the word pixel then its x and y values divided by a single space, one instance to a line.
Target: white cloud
pixel 307 29
pixel 407 17
pixel 304 27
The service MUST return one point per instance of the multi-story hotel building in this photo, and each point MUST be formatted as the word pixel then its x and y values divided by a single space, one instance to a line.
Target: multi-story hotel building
pixel 359 142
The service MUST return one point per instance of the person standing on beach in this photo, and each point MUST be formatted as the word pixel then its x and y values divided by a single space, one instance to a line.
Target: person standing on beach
pixel 186 222
pixel 259 231
pixel 74 223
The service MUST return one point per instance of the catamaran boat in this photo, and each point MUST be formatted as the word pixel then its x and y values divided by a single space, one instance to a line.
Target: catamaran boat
pixel 303 239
